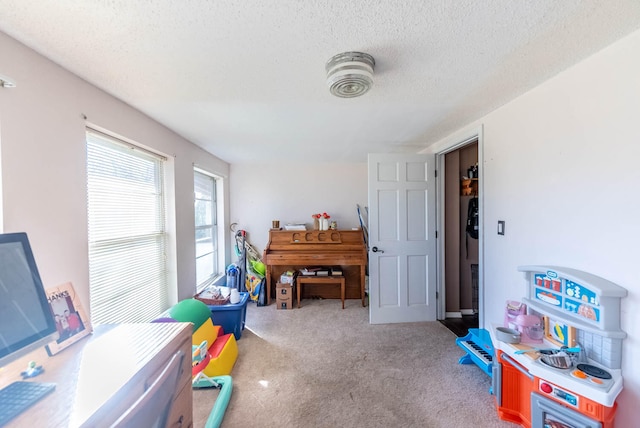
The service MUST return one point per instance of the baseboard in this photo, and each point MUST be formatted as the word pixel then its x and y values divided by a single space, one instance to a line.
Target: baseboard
pixel 453 315
pixel 467 311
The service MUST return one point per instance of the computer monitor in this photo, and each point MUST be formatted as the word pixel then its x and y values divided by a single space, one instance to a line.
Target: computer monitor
pixel 26 320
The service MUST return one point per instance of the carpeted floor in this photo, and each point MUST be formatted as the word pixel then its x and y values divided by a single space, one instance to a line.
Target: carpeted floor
pixel 321 366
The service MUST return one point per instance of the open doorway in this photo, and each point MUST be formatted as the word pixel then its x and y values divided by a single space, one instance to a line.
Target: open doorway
pixel 459 251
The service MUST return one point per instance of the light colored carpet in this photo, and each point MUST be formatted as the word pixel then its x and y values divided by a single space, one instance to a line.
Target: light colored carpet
pixel 321 366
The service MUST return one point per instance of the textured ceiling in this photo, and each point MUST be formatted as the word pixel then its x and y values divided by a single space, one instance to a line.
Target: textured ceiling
pixel 246 80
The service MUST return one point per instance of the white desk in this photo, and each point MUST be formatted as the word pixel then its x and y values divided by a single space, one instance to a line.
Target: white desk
pixel 98 378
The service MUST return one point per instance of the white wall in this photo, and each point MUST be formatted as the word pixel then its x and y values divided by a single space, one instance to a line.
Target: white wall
pixel 42 140
pixel 561 167
pixel 292 193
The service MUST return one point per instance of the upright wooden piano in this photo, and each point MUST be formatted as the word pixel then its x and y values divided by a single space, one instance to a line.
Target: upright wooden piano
pixel 294 249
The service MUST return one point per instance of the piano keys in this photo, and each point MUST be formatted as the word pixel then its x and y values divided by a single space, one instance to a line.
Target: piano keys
pixel 479 348
pixel 288 249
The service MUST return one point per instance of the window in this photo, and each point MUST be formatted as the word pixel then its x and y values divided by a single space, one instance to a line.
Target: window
pixel 128 277
pixel 206 207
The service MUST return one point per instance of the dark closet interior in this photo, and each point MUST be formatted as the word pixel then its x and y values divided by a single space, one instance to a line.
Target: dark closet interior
pixel 461 250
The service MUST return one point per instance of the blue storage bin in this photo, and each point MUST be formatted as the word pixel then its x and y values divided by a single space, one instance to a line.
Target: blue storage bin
pixel 231 316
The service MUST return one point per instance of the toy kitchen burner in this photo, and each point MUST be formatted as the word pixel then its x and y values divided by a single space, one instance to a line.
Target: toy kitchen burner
pixel 575 382
pixel 593 375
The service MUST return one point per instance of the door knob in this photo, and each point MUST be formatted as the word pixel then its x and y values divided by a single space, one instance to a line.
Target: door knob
pixel 376 250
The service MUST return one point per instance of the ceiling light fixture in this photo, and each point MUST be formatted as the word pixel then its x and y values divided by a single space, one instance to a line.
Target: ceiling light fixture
pixel 350 74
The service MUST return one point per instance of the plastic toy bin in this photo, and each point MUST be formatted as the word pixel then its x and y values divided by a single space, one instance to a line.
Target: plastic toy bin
pixel 231 316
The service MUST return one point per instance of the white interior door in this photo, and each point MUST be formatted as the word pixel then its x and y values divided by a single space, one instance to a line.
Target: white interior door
pixel 402 247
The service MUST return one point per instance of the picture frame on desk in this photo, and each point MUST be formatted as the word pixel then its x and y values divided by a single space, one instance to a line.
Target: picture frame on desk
pixel 71 322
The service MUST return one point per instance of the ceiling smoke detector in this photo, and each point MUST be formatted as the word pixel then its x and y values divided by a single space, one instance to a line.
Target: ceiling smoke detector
pixel 350 74
pixel 5 82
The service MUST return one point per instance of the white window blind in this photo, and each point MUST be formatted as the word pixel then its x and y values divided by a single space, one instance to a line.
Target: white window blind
pixel 127 238
pixel 205 208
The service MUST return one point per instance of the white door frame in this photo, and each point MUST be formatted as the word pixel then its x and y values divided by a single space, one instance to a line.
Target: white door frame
pixel 451 144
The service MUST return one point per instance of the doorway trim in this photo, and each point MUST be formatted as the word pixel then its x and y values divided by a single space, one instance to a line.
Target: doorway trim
pixel 451 144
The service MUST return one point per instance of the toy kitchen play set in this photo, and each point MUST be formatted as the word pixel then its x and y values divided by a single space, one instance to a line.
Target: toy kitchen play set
pixel 557 359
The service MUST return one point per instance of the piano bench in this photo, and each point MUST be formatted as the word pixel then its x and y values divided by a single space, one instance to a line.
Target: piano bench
pixel 338 280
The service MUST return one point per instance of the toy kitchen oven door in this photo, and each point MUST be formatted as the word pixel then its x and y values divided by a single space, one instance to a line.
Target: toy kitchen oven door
pixel 580 311
pixel 548 413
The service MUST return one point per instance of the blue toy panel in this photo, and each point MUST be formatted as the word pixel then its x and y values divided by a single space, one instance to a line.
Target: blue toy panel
pixel 579 308
pixel 549 297
pixel 581 292
pixel 583 300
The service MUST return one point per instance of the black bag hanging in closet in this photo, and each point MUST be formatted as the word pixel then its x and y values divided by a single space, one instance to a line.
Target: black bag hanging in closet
pixel 472 222
pixel 472 218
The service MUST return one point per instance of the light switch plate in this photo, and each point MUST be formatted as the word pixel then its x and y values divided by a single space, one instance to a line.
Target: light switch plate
pixel 500 227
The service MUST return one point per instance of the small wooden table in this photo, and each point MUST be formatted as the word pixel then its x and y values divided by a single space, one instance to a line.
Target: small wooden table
pixel 312 279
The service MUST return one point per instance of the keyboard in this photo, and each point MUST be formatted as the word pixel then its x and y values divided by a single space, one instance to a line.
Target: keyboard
pixel 477 344
pixel 19 396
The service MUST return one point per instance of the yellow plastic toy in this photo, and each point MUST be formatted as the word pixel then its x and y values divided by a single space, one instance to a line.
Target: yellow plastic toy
pixel 222 351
